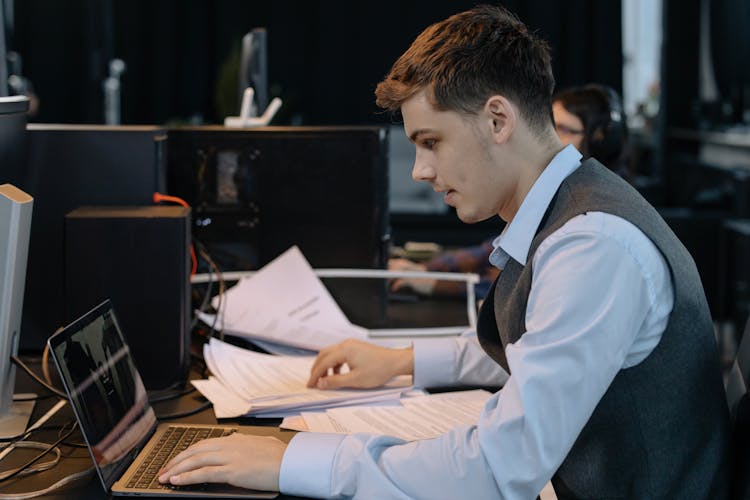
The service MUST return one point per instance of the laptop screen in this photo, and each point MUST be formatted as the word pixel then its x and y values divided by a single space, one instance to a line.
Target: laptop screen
pixel 106 391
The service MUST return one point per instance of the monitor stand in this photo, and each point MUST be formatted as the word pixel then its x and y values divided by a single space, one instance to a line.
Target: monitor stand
pixel 14 422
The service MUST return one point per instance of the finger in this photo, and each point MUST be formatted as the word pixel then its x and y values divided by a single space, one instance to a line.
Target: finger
pixel 205 474
pixel 203 446
pixel 196 461
pixel 326 359
pixel 338 381
pixel 398 284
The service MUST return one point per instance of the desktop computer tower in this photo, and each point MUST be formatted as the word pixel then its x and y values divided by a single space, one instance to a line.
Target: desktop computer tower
pixel 139 258
pixel 256 192
pixel 68 166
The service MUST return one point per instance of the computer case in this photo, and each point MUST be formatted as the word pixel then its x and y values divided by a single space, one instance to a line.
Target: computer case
pixel 256 192
pixel 139 258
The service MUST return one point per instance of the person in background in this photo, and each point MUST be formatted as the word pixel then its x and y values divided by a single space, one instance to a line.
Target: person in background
pixel 598 316
pixel 589 117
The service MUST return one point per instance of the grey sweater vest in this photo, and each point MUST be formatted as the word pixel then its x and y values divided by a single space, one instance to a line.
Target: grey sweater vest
pixel 662 428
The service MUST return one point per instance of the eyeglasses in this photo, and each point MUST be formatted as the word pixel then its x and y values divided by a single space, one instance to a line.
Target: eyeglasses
pixel 565 130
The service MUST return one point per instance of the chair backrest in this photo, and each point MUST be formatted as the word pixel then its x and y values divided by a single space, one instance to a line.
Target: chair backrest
pixel 739 406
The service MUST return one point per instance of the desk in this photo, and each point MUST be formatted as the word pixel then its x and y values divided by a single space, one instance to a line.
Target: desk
pixel 77 459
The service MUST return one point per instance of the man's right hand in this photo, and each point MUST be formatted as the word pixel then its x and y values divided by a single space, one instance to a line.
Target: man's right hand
pixel 369 365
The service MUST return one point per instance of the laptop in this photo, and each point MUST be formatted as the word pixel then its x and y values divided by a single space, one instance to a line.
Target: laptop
pixel 117 422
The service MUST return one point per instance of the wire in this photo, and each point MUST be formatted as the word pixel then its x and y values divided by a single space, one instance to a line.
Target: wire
pixel 26 434
pixel 21 469
pixel 59 484
pixel 45 359
pixel 37 379
pixel 222 289
pixel 170 416
pixel 27 469
pixel 158 198
pixel 209 287
pixel 33 398
pixel 174 395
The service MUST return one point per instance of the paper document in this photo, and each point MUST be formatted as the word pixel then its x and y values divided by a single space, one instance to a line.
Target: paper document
pixel 284 303
pixel 421 417
pixel 250 383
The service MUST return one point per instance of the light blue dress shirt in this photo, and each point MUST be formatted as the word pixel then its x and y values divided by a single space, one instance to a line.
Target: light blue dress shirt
pixel 600 299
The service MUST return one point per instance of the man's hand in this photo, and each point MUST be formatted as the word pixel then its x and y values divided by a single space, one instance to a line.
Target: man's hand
pixel 239 459
pixel 369 365
pixel 423 286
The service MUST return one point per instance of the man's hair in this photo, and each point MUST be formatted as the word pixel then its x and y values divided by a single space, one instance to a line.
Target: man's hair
pixel 605 134
pixel 469 57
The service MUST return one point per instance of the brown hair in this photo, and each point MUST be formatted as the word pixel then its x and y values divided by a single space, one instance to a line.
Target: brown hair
pixel 469 57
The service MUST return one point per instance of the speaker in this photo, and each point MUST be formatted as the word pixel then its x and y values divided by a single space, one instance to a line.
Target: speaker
pixel 139 258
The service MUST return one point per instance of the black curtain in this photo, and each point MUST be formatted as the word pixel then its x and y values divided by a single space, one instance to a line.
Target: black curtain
pixel 325 57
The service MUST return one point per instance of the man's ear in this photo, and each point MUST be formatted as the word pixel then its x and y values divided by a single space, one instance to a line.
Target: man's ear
pixel 502 116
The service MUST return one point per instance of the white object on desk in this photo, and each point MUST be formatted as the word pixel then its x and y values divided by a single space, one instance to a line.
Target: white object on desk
pixel 245 119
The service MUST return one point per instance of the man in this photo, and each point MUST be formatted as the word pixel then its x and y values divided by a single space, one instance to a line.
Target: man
pixel 598 315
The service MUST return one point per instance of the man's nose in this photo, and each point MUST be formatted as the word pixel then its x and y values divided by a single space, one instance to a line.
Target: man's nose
pixel 422 171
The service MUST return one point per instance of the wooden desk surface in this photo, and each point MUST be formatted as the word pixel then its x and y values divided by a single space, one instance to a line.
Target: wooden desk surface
pixel 75 459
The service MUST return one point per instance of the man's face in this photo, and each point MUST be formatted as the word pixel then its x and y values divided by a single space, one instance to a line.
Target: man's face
pixel 569 127
pixel 454 154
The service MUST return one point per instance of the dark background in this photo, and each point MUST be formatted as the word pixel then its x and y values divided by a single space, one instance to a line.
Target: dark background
pixel 325 57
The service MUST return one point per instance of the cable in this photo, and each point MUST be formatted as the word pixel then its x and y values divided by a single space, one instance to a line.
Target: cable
pixel 222 289
pixel 29 371
pixel 20 470
pixel 59 484
pixel 33 398
pixel 209 286
pixel 158 198
pixel 27 469
pixel 7 449
pixel 174 395
pixel 170 416
pixel 25 434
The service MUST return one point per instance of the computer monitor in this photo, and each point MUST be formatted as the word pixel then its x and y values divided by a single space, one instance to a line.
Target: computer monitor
pixel 254 69
pixel 15 223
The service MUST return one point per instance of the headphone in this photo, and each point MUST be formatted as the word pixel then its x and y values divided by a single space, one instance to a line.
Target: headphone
pixel 608 132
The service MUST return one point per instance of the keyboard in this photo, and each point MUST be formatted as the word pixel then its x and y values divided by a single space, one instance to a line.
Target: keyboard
pixel 174 440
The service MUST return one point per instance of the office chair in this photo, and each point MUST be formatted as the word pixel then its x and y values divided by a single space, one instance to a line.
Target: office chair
pixel 739 406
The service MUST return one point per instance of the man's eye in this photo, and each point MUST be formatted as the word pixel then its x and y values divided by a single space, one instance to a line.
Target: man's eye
pixel 428 143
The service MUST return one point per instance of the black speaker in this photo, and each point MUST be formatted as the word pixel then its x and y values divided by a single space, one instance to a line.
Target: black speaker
pixel 139 258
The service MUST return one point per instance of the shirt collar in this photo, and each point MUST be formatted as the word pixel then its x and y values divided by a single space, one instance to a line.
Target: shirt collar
pixel 515 240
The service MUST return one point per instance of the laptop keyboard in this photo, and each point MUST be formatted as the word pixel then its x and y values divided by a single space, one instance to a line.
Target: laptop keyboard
pixel 172 442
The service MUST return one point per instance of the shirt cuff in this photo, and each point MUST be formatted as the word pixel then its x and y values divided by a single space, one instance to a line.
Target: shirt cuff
pixel 434 362
pixel 307 465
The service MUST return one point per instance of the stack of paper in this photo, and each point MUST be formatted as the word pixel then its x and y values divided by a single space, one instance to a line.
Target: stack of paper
pixel 422 417
pixel 263 385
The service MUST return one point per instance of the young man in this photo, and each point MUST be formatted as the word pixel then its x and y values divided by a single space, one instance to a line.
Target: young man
pixel 598 314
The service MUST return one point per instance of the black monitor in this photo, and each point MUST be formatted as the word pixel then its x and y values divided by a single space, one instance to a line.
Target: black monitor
pixel 254 69
pixel 256 192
